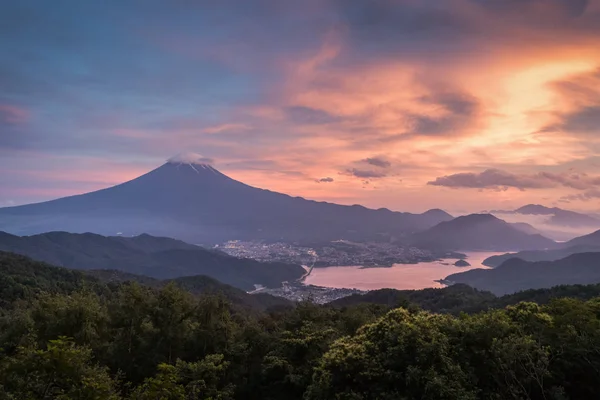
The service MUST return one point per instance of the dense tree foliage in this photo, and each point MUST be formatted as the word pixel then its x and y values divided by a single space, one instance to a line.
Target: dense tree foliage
pixel 21 277
pixel 71 337
pixel 460 298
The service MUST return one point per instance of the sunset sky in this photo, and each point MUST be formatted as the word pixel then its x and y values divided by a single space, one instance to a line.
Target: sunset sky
pixel 466 105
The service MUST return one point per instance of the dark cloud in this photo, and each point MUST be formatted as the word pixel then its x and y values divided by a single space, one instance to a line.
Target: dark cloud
pixel 586 196
pixel 325 180
pixel 463 111
pixel 387 27
pixel 447 28
pixel 572 180
pixel 459 103
pixel 585 120
pixel 491 178
pixel 370 168
pixel 584 92
pixel 365 173
pixel 378 162
pixel 426 126
pixel 495 178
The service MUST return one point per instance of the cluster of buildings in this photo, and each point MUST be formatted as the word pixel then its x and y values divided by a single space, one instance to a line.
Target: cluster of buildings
pixel 337 253
pixel 342 253
pixel 316 294
pixel 278 251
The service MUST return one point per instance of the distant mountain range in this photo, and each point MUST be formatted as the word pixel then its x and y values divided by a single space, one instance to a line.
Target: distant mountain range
pixel 559 216
pixel 156 257
pixel 516 275
pixel 583 244
pixel 552 222
pixel 556 216
pixel 199 204
pixel 482 232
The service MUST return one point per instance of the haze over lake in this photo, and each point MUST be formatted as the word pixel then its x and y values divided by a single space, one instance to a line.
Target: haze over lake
pixel 400 276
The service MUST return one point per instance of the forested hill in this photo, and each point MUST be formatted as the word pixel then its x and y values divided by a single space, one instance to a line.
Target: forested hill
pixel 158 257
pixel 23 278
pixel 63 339
pixel 459 298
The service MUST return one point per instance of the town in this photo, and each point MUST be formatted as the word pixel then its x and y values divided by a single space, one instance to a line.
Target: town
pixel 297 291
pixel 335 253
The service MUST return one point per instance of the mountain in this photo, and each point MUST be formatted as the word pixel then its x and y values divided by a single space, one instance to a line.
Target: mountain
pixel 593 239
pixel 583 244
pixel 555 223
pixel 21 277
pixel 516 275
pixel 526 228
pixel 478 232
pixel 160 258
pixel 197 203
pixel 560 217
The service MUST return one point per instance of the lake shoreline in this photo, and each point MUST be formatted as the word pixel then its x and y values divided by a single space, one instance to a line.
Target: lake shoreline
pixel 397 276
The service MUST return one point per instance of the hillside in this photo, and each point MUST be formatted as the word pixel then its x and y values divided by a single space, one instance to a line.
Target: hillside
pixel 21 278
pixel 591 240
pixel 197 203
pixel 516 275
pixel 459 298
pixel 478 232
pixel 160 258
pixel 452 299
pixel 526 228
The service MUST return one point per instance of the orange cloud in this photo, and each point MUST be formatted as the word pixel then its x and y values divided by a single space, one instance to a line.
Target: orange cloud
pixel 484 109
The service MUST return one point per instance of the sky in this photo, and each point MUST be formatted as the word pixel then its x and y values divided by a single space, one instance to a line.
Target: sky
pixel 465 105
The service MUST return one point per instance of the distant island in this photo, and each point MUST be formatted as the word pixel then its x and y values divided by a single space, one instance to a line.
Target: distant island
pixel 462 263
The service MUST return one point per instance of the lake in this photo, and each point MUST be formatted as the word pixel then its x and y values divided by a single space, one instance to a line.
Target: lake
pixel 400 276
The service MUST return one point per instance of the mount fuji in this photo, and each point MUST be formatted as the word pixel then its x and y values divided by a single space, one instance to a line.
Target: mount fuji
pixel 187 198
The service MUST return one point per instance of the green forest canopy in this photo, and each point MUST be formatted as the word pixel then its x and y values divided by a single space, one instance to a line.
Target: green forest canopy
pixel 65 335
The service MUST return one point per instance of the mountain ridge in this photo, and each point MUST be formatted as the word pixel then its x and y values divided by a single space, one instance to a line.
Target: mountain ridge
pixel 160 258
pixel 557 216
pixel 202 205
pixel 478 232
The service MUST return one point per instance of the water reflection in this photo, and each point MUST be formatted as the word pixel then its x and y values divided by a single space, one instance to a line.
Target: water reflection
pixel 400 276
